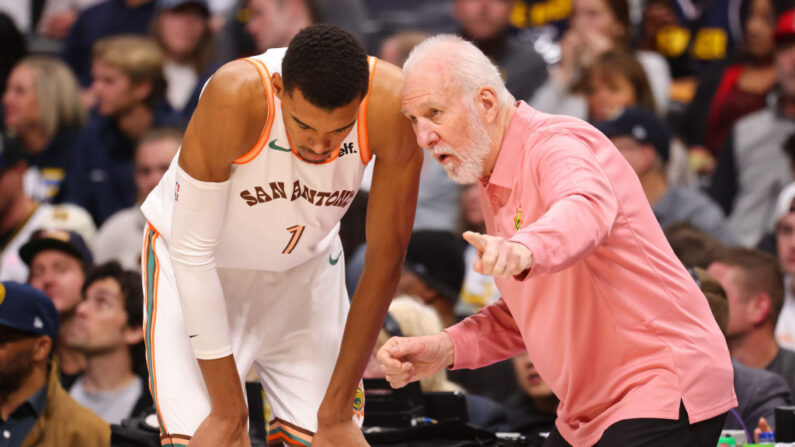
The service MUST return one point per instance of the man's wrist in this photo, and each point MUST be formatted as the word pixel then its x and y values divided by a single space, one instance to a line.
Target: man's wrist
pixel 447 349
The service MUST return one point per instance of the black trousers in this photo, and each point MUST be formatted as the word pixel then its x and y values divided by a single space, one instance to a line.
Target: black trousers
pixel 655 433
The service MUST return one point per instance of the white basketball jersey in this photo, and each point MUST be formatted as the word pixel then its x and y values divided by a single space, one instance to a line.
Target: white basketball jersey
pixel 281 210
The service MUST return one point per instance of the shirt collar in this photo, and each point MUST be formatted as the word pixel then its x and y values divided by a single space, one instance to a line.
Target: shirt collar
pixel 39 400
pixel 512 146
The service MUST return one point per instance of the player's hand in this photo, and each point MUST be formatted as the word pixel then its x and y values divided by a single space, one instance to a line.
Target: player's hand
pixel 497 256
pixel 216 430
pixel 345 433
pixel 406 359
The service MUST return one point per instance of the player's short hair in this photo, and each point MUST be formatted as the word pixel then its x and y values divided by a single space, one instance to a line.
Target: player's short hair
pixel 328 65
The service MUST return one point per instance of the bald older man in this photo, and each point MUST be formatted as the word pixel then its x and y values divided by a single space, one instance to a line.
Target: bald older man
pixel 590 287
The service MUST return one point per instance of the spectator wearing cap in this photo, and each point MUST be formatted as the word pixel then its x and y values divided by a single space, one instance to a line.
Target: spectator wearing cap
pixel 182 29
pixel 21 215
pixel 785 248
pixel 34 408
pixel 108 18
pixel 645 141
pixel 434 271
pixel 108 331
pixel 754 285
pixel 58 263
pixel 129 86
pixel 752 169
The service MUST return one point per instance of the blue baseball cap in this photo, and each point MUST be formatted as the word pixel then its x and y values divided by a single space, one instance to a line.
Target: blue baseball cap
pixel 27 309
pixel 11 151
pixel 66 241
pixel 174 4
pixel 642 125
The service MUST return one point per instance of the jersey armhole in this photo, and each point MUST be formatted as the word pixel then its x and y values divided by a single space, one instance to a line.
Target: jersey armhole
pixel 361 121
pixel 263 137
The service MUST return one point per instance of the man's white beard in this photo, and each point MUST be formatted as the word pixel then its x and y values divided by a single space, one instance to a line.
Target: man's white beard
pixel 466 166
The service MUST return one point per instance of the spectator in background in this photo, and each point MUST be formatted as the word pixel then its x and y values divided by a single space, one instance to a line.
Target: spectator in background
pixel 759 392
pixel 486 24
pixel 58 17
pixel 13 49
pixel 645 141
pixel 129 84
pixel 534 410
pixel 108 330
pixel 615 80
pixel 20 215
pixel 108 18
pixel 34 408
pixel 692 246
pixel 182 29
pixel 785 248
pixel 752 169
pixel 596 26
pixel 58 263
pixel 119 238
pixel 433 272
pixel 477 290
pixel 395 49
pixel 43 110
pixel 273 23
pixel 732 90
pixel 754 286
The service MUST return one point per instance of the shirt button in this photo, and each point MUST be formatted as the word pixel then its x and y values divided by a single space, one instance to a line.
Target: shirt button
pixel 6 434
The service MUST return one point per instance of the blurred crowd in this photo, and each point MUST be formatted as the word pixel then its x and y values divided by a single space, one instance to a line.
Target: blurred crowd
pixel 698 95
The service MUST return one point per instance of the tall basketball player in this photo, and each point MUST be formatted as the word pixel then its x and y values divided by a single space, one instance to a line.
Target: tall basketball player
pixel 243 265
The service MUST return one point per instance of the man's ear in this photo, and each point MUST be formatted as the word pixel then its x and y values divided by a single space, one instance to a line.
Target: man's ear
pixel 142 90
pixel 488 103
pixel 761 306
pixel 277 83
pixel 42 346
pixel 133 335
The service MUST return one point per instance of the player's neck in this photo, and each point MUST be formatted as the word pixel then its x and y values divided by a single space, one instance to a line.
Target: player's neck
pixel 136 121
pixel 755 349
pixel 108 371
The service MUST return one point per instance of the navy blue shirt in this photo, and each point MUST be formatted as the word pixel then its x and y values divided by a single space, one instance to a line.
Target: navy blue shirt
pixel 51 165
pixel 109 18
pixel 14 431
pixel 101 180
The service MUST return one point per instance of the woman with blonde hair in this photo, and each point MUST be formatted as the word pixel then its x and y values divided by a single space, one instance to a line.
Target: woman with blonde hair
pixel 43 110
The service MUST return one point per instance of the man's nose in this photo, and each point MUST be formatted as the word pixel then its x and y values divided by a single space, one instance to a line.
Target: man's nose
pixel 426 135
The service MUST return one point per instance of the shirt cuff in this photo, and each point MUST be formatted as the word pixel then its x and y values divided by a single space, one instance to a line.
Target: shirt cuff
pixel 534 244
pixel 466 349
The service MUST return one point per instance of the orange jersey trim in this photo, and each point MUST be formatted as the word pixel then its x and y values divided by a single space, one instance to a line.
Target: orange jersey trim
pixel 361 124
pixel 263 137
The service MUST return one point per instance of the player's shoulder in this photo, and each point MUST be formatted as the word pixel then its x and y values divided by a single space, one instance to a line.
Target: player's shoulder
pixel 236 81
pixel 387 82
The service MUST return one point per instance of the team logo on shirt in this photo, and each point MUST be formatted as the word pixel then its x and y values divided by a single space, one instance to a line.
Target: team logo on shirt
pixel 517 219
pixel 347 148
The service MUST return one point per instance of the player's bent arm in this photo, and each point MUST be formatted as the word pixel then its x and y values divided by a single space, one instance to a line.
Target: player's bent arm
pixel 226 124
pixel 390 216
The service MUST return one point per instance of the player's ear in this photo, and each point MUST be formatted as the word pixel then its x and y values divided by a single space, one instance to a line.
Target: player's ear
pixel 278 85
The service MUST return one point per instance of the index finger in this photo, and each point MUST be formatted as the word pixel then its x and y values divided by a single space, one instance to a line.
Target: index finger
pixel 477 240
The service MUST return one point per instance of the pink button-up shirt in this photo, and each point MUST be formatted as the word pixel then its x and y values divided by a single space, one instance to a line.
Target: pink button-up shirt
pixel 614 323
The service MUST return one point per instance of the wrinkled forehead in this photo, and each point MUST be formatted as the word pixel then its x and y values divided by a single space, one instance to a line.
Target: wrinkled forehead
pixel 422 87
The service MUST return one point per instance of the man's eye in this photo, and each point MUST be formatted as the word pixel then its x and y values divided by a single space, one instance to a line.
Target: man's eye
pixel 436 113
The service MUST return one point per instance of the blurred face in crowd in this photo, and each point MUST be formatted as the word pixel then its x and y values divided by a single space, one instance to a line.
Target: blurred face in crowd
pixel 268 24
pixel 181 29
pixel 732 279
pixel 595 16
pixel 483 19
pixel 152 159
pixel 528 377
pixel 639 156
pixel 607 95
pixel 101 323
pixel 115 92
pixel 785 243
pixel 759 26
pixel 20 102
pixel 447 124
pixel 785 66
pixel 16 358
pixel 60 276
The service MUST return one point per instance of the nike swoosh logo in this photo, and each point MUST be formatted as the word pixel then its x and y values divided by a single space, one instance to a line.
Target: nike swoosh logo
pixel 332 260
pixel 191 336
pixel 275 146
